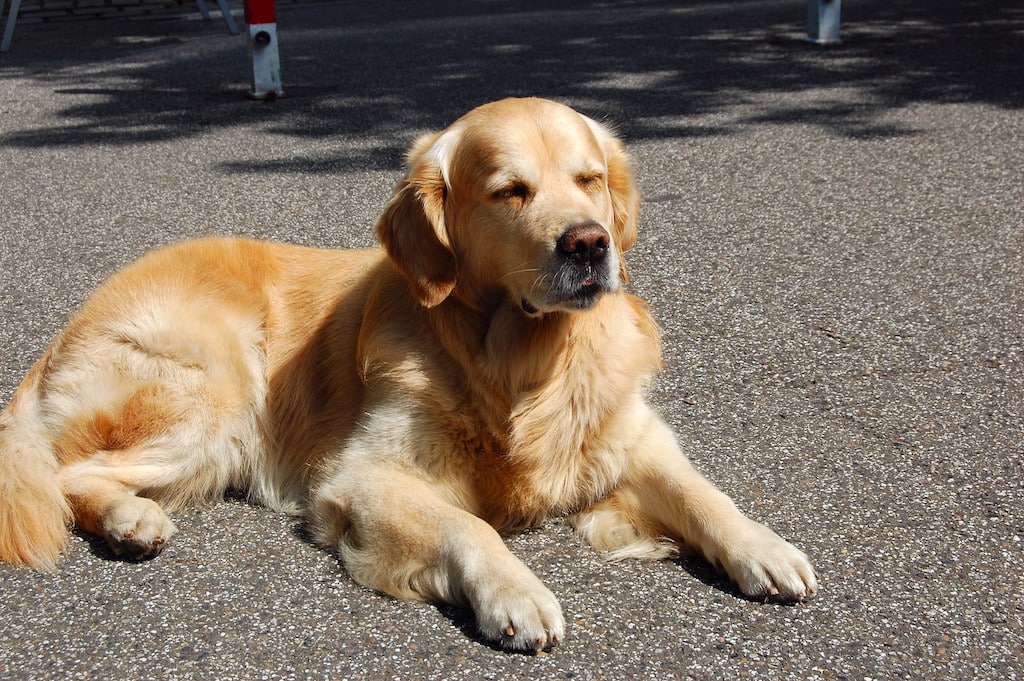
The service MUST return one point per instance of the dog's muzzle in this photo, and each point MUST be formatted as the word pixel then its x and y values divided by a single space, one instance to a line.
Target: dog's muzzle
pixel 584 266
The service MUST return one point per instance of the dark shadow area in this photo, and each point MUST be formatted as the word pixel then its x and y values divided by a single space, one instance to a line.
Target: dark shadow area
pixel 378 72
pixel 705 572
pixel 98 546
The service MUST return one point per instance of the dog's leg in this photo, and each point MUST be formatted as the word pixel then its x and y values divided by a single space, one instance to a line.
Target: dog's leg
pixel 161 447
pixel 664 491
pixel 396 534
pixel 103 498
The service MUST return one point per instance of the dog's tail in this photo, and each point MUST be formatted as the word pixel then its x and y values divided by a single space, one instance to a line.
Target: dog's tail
pixel 34 515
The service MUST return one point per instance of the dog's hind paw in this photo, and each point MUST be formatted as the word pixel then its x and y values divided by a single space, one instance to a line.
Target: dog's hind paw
pixel 137 528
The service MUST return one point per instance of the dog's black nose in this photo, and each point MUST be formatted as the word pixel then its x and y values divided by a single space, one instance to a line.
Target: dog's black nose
pixel 587 243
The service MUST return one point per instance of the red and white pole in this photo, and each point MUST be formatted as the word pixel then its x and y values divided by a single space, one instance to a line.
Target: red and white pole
pixel 261 16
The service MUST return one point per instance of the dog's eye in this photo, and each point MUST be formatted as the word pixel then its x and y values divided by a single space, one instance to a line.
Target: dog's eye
pixel 589 181
pixel 516 190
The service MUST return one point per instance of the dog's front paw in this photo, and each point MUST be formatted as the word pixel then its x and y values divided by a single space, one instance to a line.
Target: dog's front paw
pixel 766 566
pixel 137 528
pixel 517 611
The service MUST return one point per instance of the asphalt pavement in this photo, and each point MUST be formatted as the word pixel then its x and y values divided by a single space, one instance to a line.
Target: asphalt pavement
pixel 831 240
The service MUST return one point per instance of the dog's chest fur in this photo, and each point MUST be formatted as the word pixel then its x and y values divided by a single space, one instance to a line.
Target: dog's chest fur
pixel 543 408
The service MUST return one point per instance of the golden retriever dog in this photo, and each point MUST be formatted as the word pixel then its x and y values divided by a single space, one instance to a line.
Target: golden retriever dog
pixel 483 371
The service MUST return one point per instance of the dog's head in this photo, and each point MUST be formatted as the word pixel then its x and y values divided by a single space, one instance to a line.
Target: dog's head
pixel 523 198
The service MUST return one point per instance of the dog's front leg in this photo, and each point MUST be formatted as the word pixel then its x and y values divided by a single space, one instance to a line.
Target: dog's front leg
pixel 672 493
pixel 396 534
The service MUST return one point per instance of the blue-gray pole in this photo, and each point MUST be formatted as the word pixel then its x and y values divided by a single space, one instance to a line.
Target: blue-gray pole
pixel 823 21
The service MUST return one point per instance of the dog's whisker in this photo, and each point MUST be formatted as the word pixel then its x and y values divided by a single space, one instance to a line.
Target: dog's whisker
pixel 523 270
pixel 538 281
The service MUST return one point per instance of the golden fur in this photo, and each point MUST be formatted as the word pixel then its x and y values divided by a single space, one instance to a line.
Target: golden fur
pixel 482 372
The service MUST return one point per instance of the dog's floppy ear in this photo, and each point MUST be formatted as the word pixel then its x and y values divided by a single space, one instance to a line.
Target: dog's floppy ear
pixel 624 193
pixel 412 226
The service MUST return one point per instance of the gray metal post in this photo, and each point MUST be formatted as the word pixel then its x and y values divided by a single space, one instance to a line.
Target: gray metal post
pixel 265 62
pixel 823 21
pixel 12 19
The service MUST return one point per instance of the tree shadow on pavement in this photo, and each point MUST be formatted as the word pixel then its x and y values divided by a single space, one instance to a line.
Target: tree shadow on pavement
pixel 379 73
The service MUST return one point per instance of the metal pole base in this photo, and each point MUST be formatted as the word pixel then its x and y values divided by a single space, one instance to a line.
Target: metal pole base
pixel 266 62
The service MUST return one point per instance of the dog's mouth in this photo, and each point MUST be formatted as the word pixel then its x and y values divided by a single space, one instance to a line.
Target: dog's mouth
pixel 585 296
pixel 573 289
pixel 589 289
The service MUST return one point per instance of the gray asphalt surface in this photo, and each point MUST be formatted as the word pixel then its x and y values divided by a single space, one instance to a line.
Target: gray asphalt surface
pixel 831 240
